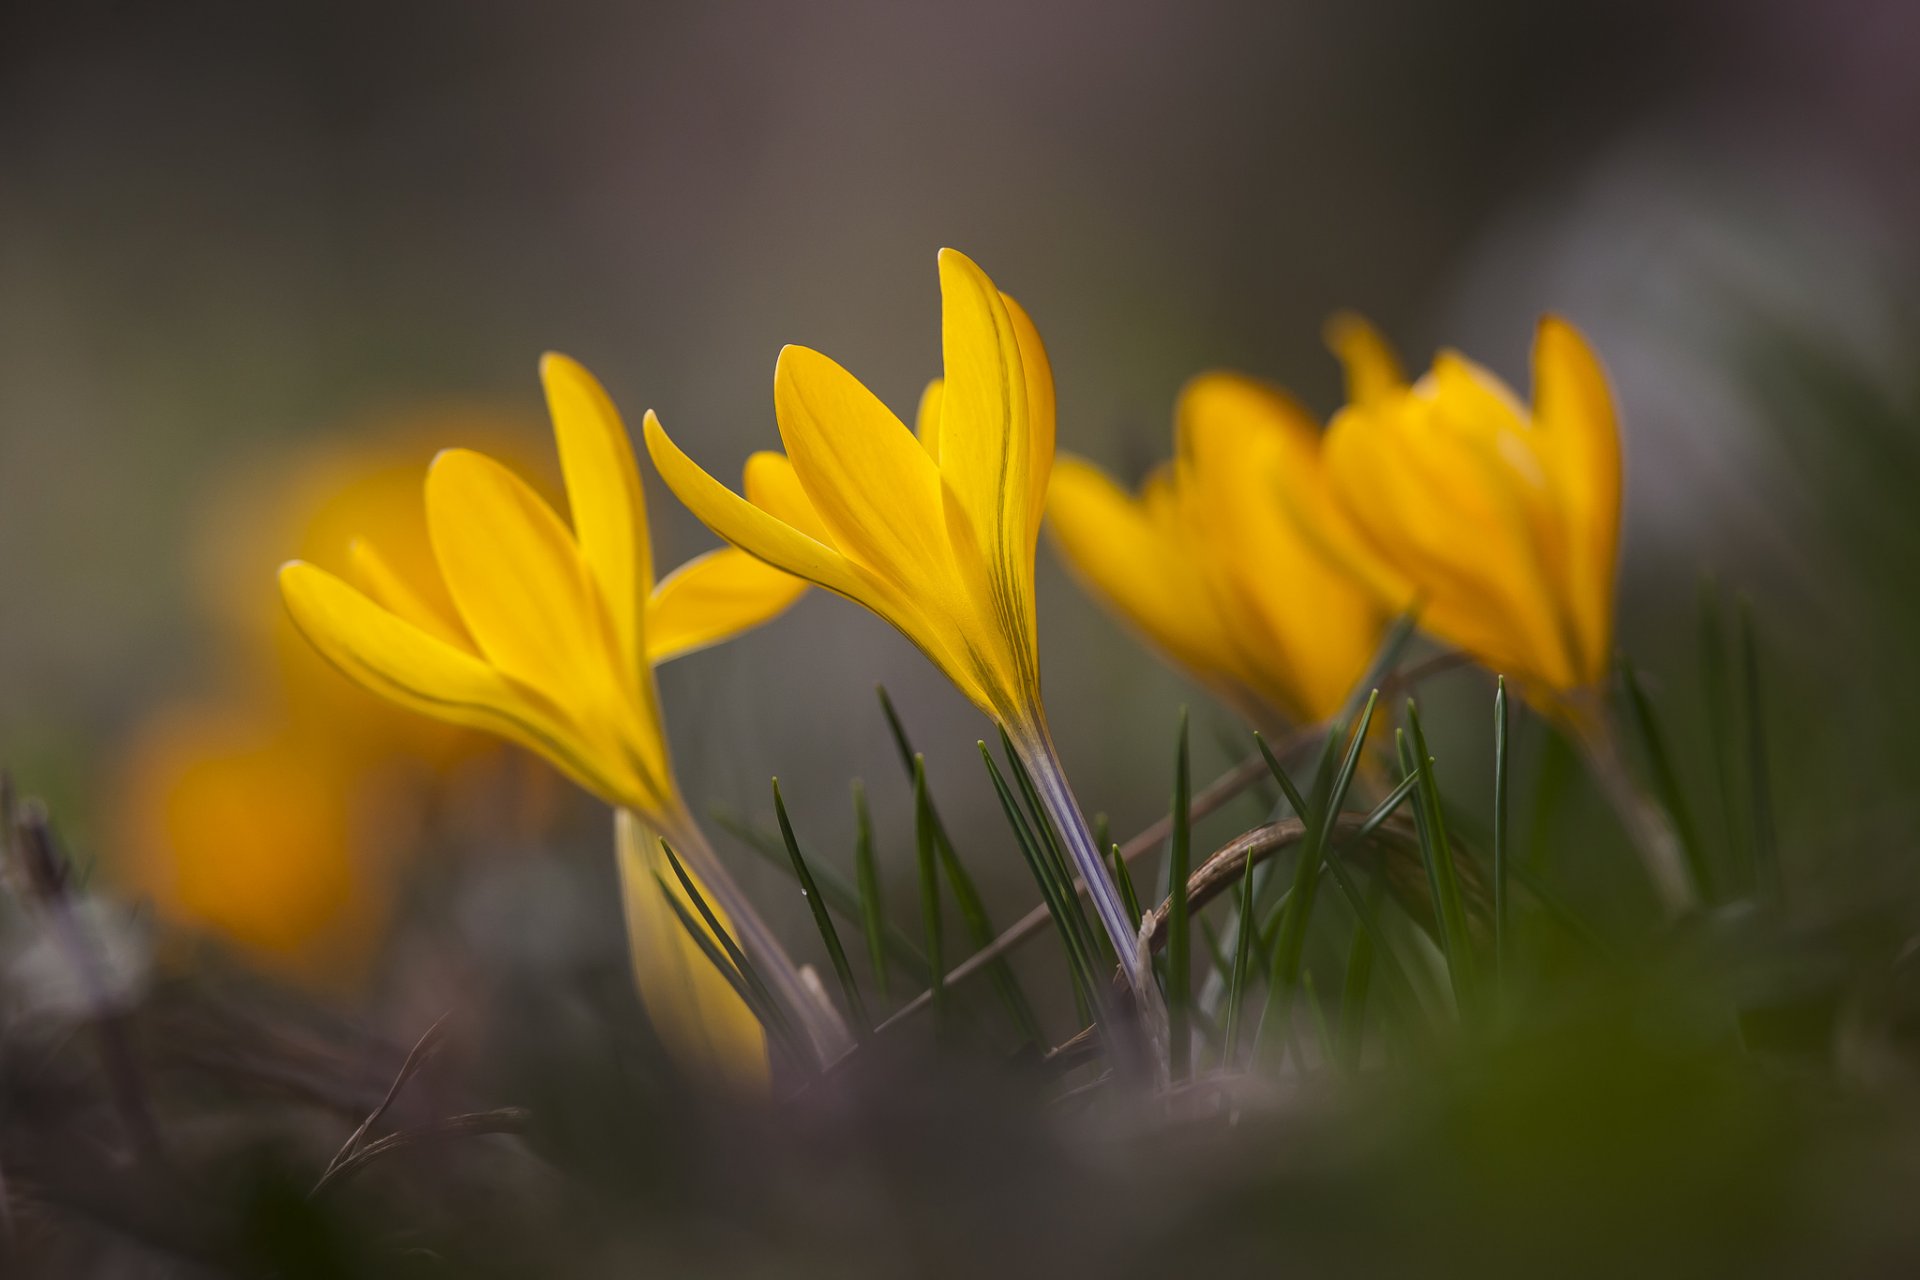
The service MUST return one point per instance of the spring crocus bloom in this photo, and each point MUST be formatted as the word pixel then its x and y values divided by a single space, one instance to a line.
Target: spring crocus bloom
pixel 1213 567
pixel 935 535
pixel 1501 521
pixel 547 635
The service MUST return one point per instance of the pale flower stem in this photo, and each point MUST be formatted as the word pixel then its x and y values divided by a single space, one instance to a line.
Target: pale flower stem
pixel 1036 751
pixel 1646 822
pixel 825 1030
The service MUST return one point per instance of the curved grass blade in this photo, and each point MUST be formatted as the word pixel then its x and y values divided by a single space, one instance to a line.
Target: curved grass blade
pixel 822 921
pixel 866 871
pixel 966 894
pixel 1079 967
pixel 1502 931
pixel 1666 783
pixel 839 894
pixel 1094 943
pixel 732 966
pixel 1437 852
pixel 1237 978
pixel 929 894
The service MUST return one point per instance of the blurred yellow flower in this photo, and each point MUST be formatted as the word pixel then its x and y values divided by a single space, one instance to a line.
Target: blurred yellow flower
pixel 1499 522
pixel 273 812
pixel 1213 567
pixel 547 635
pixel 934 535
pixel 237 823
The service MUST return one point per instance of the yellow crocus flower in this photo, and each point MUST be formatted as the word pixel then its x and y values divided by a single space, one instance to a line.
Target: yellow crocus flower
pixel 550 642
pixel 1502 522
pixel 1214 568
pixel 935 535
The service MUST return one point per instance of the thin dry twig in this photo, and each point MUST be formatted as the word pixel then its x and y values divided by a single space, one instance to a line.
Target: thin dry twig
pixel 470 1124
pixel 423 1050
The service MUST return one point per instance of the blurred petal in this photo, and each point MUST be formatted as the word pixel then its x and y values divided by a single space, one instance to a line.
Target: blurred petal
pixel 603 494
pixel 406 665
pixel 1373 371
pixel 713 597
pixel 1579 436
pixel 1113 545
pixel 702 1022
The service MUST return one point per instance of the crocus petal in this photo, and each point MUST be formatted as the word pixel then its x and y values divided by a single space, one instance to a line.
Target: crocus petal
pixel 713 597
pixel 380 580
pixel 1579 436
pixel 1373 371
pixel 1112 543
pixel 406 665
pixel 766 536
pixel 701 1020
pixel 926 422
pixel 1038 370
pixel 1241 444
pixel 603 494
pixel 986 448
pixel 870 481
pixel 771 484
pixel 517 578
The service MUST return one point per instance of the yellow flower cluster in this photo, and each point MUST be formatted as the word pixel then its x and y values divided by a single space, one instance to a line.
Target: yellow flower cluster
pixel 1265 559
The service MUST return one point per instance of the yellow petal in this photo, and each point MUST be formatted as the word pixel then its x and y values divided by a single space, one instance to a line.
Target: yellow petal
pixel 1439 505
pixel 1040 406
pixel 517 578
pixel 702 1022
pixel 1579 435
pixel 766 536
pixel 1143 571
pixel 926 422
pixel 603 493
pixel 771 484
pixel 713 597
pixel 380 580
pixel 1305 629
pixel 872 484
pixel 1373 371
pixel 986 447
pixel 404 664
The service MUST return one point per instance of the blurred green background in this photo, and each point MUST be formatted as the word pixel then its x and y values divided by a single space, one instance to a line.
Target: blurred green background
pixel 227 229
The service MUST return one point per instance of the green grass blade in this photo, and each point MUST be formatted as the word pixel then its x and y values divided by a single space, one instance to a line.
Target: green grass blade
pixel 1377 817
pixel 839 894
pixel 929 894
pixel 822 920
pixel 1437 852
pixel 1766 850
pixel 966 894
pixel 1123 876
pixel 1237 978
pixel 1094 942
pixel 774 1025
pixel 1179 945
pixel 1292 793
pixel 872 904
pixel 1351 1038
pixel 1502 933
pixel 1078 966
pixel 1666 781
